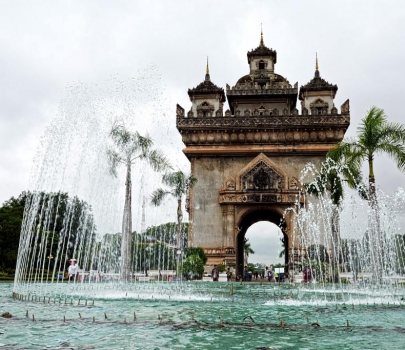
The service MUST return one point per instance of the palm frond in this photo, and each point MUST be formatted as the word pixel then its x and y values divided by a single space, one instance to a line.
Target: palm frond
pixel 396 151
pixel 142 143
pixel 191 181
pixel 114 159
pixel 120 136
pixel 179 182
pixel 158 195
pixel 156 159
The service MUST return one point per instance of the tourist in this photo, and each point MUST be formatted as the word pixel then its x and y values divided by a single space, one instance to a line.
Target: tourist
pixel 73 270
pixel 215 273
pixel 270 275
pixel 307 274
pixel 229 274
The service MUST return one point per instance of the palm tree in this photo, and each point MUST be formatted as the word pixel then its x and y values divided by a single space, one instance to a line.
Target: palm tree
pixel 375 136
pixel 247 250
pixel 282 252
pixel 128 148
pixel 179 184
pixel 333 172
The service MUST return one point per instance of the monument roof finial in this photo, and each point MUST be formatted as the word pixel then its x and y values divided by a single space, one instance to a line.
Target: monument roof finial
pixel 316 64
pixel 317 75
pixel 207 72
pixel 261 35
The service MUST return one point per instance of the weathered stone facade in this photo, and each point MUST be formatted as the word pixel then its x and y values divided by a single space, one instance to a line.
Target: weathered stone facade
pixel 248 160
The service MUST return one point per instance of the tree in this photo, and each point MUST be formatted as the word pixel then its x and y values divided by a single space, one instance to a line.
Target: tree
pixel 46 228
pixel 196 251
pixel 317 252
pixel 247 250
pixel 375 136
pixel 11 216
pixel 128 148
pixel 193 267
pixel 282 252
pixel 166 233
pixel 179 184
pixel 336 169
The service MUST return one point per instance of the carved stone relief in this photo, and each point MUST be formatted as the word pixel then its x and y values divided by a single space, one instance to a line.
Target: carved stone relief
pixel 262 177
pixel 293 184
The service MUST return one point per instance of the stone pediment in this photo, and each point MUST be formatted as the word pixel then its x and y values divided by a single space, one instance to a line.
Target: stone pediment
pixel 261 181
pixel 261 174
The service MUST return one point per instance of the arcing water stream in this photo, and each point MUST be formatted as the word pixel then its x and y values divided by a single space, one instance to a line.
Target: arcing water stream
pixel 74 210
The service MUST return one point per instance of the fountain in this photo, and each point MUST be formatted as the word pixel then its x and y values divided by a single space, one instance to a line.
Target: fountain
pixel 74 210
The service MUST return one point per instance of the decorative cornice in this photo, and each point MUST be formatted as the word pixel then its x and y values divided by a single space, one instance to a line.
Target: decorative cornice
pixel 207 87
pixel 262 50
pixel 317 84
pixel 237 198
pixel 269 122
pixel 261 92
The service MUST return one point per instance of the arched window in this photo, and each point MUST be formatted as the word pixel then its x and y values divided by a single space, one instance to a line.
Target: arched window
pixel 319 107
pixel 262 64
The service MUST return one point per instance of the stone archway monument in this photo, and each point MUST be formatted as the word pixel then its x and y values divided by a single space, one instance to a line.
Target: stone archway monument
pixel 248 159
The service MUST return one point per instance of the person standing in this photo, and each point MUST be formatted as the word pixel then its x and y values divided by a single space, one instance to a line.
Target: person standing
pixel 215 273
pixel 73 270
pixel 229 274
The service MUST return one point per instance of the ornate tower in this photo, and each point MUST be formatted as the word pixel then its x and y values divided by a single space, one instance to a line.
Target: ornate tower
pixel 248 161
pixel 317 97
pixel 207 99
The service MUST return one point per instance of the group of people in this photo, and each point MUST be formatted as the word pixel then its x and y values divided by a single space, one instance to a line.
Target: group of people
pixel 249 275
pixel 215 274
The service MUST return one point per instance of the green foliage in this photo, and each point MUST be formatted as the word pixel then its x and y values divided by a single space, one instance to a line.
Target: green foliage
pixel 152 250
pixel 4 276
pixel 334 170
pixel 163 233
pixel 317 252
pixel 156 256
pixel 11 216
pixel 193 267
pixel 375 136
pixel 196 251
pixel 221 267
pixel 62 212
pixel 130 146
pixel 178 183
pixel 400 254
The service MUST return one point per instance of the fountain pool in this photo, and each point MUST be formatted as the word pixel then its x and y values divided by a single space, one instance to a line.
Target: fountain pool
pixel 204 315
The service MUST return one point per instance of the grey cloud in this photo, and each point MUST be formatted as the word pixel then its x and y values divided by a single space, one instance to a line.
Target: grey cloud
pixel 46 46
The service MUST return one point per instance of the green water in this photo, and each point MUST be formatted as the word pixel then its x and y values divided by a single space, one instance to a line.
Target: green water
pixel 203 316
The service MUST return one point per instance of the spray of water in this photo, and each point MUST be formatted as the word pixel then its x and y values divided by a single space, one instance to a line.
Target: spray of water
pixel 74 206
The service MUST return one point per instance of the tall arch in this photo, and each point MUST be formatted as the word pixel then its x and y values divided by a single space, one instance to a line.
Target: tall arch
pixel 250 217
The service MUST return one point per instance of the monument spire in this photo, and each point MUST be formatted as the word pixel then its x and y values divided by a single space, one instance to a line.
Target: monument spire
pixel 316 66
pixel 261 35
pixel 207 72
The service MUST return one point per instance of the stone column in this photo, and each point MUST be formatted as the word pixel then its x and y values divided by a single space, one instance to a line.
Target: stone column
pixel 229 231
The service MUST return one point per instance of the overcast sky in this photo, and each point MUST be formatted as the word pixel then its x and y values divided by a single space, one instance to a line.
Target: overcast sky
pixel 46 46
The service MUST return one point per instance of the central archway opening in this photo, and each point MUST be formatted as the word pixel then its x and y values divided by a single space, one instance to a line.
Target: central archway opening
pixel 265 230
pixel 264 245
